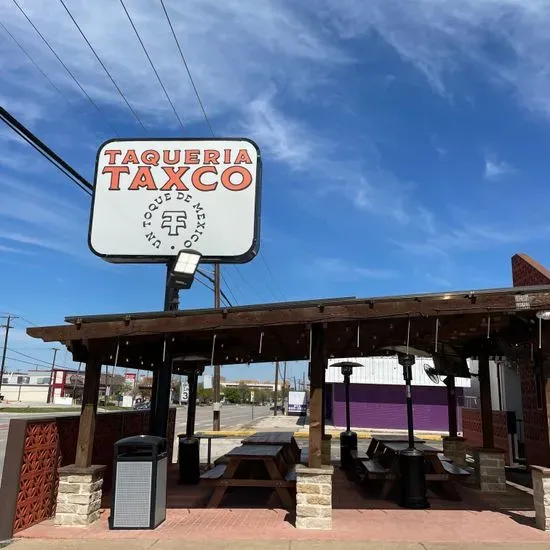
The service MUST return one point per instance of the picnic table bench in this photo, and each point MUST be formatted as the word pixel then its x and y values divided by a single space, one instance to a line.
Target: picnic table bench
pixel 384 466
pixel 236 473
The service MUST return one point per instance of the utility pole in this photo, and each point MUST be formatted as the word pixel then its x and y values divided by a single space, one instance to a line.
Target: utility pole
pixel 276 387
pixel 50 389
pixel 284 388
pixel 7 326
pixel 217 373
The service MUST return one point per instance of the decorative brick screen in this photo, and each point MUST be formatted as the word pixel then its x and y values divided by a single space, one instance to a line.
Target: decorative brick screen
pixel 40 446
pixel 471 428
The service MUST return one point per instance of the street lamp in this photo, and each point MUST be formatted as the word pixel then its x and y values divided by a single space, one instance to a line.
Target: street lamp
pixel 183 271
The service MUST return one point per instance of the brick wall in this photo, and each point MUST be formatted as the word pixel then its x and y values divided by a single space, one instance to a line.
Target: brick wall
pixel 528 272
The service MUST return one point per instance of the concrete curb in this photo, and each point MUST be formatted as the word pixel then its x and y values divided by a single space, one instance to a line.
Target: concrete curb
pixel 305 435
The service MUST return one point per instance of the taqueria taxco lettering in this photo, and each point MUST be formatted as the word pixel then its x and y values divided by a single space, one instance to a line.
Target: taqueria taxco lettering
pixel 180 169
pixel 155 197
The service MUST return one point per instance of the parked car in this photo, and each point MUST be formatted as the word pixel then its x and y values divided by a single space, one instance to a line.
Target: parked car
pixel 142 406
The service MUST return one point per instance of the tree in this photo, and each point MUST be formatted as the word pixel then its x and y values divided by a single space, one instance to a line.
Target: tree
pixel 232 394
pixel 204 395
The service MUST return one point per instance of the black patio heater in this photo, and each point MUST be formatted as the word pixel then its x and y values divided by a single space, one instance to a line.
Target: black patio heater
pixel 411 460
pixel 348 439
pixel 189 446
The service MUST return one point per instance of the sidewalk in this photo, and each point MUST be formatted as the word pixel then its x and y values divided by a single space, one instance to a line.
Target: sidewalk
pixel 146 544
pixel 300 426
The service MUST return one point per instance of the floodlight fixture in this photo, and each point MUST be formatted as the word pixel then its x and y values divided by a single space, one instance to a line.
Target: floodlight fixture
pixel 184 269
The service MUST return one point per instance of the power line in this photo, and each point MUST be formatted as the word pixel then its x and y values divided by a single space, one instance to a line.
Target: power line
pixel 152 64
pixel 28 356
pixel 187 69
pixel 249 285
pixel 203 109
pixel 25 362
pixel 45 151
pixel 27 321
pixel 228 303
pixel 34 63
pixel 211 279
pixel 64 65
pixel 272 278
pixel 103 65
pixel 228 287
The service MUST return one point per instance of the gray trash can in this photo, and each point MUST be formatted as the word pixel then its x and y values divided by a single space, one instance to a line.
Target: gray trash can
pixel 138 499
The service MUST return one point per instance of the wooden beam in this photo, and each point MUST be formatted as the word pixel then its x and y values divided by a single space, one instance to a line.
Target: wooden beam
pixel 486 405
pixel 503 302
pixel 318 363
pixel 86 427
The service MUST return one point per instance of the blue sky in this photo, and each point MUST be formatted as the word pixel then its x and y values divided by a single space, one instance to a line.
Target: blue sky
pixel 404 144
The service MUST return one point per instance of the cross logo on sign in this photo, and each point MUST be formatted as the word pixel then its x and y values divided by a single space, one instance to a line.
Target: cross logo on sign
pixel 174 220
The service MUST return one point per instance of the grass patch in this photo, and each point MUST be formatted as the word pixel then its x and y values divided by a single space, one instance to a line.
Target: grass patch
pixel 38 409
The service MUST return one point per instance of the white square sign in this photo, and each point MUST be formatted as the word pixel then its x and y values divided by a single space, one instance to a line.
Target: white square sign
pixel 153 198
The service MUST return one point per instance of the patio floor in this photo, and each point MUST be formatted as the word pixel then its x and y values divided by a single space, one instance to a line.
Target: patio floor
pixel 257 515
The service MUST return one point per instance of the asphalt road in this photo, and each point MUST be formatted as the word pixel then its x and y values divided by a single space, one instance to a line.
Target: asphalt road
pixel 232 416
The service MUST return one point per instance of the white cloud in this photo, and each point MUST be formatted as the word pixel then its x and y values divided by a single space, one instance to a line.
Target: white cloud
pixel 507 40
pixel 466 237
pixel 284 138
pixel 496 169
pixel 235 50
pixel 339 269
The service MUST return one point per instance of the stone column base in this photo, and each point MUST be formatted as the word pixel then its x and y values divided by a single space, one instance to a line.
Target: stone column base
pixel 326 445
pixel 79 495
pixel 541 496
pixel 455 449
pixel 490 475
pixel 314 497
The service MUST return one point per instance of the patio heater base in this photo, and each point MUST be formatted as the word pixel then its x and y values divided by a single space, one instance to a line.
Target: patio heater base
pixel 413 479
pixel 189 460
pixel 348 443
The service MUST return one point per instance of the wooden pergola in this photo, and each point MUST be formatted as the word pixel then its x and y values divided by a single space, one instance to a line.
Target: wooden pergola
pixel 477 323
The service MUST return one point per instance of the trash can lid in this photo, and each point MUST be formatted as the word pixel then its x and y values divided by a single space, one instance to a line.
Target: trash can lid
pixel 142 441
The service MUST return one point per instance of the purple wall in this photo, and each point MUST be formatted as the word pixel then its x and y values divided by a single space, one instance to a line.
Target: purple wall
pixel 383 406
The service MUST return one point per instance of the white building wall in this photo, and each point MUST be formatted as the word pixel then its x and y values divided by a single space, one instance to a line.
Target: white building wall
pixel 24 393
pixel 386 370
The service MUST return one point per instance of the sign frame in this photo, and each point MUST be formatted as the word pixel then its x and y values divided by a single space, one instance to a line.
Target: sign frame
pixel 246 257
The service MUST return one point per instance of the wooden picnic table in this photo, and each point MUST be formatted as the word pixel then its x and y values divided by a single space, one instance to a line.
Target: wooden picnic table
pixel 378 440
pixel 291 451
pixel 241 471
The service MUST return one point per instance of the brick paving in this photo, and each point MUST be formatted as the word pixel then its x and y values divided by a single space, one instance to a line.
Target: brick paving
pixel 250 515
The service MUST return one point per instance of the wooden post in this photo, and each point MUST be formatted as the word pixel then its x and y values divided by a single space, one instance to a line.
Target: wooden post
pixel 275 394
pixel 163 391
pixel 451 406
pixel 324 411
pixel 318 361
pixel 193 381
pixel 486 405
pixel 86 427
